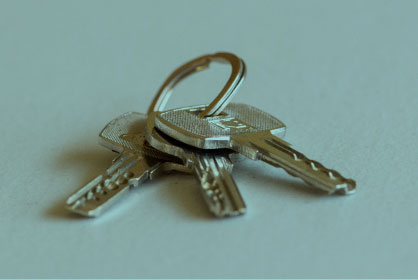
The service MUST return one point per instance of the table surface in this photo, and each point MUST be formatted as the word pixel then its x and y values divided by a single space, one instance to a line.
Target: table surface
pixel 342 75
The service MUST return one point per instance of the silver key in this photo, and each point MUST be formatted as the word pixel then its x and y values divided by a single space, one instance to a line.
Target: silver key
pixel 213 169
pixel 253 133
pixel 136 163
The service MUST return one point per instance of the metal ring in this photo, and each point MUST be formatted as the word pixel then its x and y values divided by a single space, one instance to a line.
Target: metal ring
pixel 201 63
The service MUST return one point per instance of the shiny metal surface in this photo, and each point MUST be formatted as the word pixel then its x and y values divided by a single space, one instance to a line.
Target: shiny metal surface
pixel 213 170
pixel 126 133
pixel 253 133
pixel 128 170
pixel 136 163
pixel 215 132
pixel 221 101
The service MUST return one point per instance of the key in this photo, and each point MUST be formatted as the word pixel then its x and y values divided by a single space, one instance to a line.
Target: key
pixel 136 162
pixel 253 133
pixel 213 169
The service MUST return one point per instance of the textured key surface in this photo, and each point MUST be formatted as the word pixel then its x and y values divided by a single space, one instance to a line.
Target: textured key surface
pixel 213 132
pixel 169 145
pixel 127 133
pixel 250 118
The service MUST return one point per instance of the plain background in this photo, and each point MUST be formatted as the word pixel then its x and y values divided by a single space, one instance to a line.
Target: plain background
pixel 342 75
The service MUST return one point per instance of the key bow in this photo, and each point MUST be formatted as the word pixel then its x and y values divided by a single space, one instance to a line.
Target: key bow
pixel 224 97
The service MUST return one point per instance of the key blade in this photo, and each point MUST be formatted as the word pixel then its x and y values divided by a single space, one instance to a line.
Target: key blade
pixel 212 169
pixel 217 184
pixel 98 195
pixel 274 151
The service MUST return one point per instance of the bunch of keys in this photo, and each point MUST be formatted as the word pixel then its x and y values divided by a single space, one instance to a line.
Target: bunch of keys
pixel 203 140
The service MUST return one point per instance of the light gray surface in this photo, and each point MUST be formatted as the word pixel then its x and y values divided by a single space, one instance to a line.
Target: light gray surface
pixel 341 75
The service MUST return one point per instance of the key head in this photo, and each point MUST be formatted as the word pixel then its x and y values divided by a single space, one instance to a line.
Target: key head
pixel 185 125
pixel 126 133
pixel 169 145
pixel 162 142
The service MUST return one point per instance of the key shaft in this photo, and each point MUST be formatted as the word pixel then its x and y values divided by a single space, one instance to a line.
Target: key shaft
pixel 253 133
pixel 128 171
pixel 213 170
pixel 217 184
pixel 276 152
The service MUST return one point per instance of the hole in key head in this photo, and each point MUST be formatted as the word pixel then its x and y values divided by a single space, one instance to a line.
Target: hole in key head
pixel 197 111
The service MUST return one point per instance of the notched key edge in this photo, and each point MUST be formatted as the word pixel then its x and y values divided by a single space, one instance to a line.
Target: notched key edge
pixel 100 189
pixel 257 148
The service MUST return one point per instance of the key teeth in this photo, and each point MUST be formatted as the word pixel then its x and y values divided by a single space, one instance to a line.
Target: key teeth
pixel 236 213
pixel 346 187
pixel 213 193
pixel 89 214
pixel 227 214
pixel 99 194
pixel 214 173
pixel 109 192
pixel 349 188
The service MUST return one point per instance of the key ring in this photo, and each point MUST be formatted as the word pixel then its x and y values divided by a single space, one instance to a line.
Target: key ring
pixel 201 63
